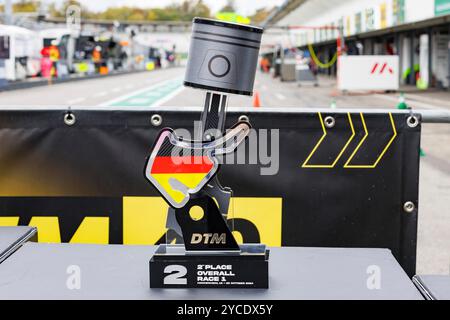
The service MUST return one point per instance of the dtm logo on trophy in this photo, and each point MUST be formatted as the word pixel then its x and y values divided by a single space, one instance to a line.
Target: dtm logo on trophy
pixel 209 238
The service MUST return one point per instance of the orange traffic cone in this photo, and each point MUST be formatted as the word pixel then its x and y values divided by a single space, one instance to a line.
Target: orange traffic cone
pixel 256 100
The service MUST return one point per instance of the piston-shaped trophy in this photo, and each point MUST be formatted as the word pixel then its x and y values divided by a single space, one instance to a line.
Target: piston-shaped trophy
pixel 222 60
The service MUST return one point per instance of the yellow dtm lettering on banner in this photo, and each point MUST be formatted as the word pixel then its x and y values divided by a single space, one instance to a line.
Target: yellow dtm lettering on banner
pixel 93 230
pixel 144 219
pixel 9 221
pixel 264 213
pixel 144 222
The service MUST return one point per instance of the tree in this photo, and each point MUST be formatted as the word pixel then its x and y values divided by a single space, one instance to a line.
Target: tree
pixel 261 15
pixel 24 6
pixel 229 7
pixel 122 14
pixel 60 12
pixel 167 14
pixel 201 10
pixel 174 12
pixel 137 15
pixel 187 10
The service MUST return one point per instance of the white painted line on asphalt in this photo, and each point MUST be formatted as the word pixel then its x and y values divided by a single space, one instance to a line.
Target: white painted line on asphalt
pixel 153 94
pixel 280 96
pixel 76 101
pixel 134 93
pixel 101 94
pixel 169 97
pixel 118 89
pixel 138 101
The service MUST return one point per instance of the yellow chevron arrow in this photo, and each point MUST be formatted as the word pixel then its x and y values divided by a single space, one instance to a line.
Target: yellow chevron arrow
pixel 374 165
pixel 328 166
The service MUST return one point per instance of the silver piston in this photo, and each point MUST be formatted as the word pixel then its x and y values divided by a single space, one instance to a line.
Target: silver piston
pixel 223 56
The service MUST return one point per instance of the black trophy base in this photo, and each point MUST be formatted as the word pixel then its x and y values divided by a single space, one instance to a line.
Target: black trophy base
pixel 172 267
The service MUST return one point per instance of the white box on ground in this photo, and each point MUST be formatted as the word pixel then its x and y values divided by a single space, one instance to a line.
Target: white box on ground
pixel 369 73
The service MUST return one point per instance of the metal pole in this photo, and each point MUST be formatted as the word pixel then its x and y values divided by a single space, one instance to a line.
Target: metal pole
pixel 428 116
pixel 435 116
pixel 8 12
pixel 398 49
pixel 412 75
pixel 448 59
pixel 430 56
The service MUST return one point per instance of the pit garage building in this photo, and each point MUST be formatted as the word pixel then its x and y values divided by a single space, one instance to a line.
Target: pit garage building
pixel 416 30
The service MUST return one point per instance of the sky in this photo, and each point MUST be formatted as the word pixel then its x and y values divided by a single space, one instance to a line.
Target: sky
pixel 245 7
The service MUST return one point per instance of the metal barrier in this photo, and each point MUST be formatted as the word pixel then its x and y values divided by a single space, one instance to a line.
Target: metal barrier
pixel 337 178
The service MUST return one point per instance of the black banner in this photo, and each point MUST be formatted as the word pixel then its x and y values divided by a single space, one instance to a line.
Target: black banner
pixel 330 179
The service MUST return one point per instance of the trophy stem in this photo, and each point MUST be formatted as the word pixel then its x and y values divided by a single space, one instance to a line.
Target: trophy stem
pixel 213 116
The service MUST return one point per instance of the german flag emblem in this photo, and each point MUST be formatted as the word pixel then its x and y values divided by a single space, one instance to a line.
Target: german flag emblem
pixel 179 168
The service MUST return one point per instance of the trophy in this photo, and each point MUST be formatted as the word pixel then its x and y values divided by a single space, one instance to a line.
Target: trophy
pixel 222 60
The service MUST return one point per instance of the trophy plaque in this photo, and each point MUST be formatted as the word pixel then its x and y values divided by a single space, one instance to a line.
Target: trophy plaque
pixel 222 60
